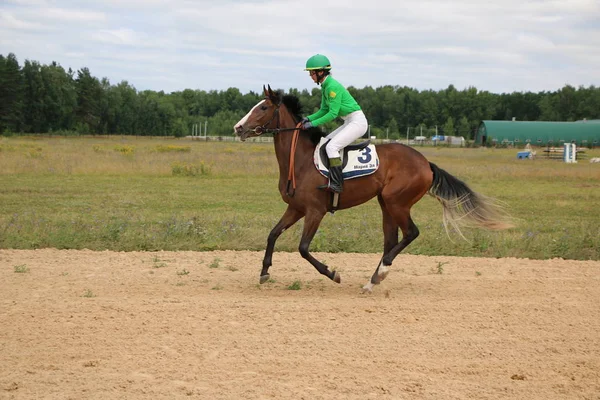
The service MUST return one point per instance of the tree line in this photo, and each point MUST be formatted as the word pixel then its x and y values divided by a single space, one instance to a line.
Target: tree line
pixel 38 98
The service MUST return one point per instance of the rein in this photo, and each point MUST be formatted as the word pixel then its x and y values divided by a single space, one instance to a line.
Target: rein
pixel 291 171
pixel 260 130
pixel 291 174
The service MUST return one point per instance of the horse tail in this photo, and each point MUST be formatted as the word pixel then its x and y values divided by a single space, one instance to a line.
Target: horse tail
pixel 464 207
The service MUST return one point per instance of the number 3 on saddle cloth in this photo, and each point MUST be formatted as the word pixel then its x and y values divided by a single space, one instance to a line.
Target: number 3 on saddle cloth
pixel 357 160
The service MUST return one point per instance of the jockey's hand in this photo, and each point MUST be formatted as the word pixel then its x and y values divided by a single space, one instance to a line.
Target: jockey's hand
pixel 307 125
pixel 305 119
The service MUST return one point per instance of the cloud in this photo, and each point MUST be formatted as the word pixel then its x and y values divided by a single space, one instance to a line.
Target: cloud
pixel 10 22
pixel 121 36
pixel 61 15
pixel 500 46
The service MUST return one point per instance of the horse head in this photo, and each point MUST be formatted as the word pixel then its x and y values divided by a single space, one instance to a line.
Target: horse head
pixel 263 116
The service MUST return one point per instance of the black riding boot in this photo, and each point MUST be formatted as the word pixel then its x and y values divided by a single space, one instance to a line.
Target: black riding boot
pixel 335 180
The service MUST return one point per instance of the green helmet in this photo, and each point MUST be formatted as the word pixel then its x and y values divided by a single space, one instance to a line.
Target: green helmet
pixel 318 61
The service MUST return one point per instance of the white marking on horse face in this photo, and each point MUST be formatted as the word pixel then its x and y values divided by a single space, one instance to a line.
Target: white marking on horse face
pixel 243 121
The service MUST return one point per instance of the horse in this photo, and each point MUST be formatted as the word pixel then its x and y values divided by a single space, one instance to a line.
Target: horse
pixel 404 176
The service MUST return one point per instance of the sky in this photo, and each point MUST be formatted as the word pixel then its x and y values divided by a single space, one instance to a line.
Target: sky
pixel 499 46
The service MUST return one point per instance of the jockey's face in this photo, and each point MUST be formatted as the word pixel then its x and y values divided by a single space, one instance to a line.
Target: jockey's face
pixel 314 75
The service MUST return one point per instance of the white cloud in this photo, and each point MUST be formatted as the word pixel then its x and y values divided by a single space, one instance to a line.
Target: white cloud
pixel 9 22
pixel 71 15
pixel 496 46
pixel 29 2
pixel 121 36
pixel 535 43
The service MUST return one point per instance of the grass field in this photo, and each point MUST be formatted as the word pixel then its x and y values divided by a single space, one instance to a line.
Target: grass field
pixel 127 193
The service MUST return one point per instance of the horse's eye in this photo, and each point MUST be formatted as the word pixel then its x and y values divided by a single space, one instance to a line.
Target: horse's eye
pixel 264 108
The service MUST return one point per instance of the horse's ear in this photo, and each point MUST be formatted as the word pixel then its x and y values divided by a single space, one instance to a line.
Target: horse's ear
pixel 265 91
pixel 273 96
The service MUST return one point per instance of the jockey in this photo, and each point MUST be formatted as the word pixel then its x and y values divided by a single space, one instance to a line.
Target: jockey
pixel 336 101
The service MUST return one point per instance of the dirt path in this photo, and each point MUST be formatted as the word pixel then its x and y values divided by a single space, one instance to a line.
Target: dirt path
pixel 168 325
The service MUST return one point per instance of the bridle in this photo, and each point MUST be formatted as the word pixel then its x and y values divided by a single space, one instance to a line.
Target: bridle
pixel 259 130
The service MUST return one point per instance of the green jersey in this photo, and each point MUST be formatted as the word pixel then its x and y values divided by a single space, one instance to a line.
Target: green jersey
pixel 335 101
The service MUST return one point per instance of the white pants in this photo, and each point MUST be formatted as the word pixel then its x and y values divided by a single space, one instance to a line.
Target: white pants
pixel 355 125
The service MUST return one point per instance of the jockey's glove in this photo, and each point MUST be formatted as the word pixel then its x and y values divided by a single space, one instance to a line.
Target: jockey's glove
pixel 307 125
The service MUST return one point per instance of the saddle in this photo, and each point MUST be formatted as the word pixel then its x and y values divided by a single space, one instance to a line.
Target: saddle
pixel 357 146
pixel 358 160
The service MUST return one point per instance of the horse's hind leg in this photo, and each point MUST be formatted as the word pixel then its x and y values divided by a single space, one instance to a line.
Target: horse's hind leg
pixel 289 218
pixel 401 219
pixel 311 224
pixel 390 240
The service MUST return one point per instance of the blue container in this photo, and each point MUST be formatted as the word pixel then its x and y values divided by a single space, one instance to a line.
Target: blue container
pixel 522 155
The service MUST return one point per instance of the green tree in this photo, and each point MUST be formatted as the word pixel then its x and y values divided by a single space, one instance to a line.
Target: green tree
pixel 167 115
pixel 448 127
pixel 40 98
pixel 464 128
pixel 129 109
pixel 221 124
pixel 149 123
pixel 588 102
pixel 392 129
pixel 567 103
pixel 34 119
pixel 89 101
pixel 549 107
pixel 59 98
pixel 429 108
pixel 11 94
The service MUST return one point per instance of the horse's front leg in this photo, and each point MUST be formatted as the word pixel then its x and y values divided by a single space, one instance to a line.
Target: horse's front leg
pixel 311 224
pixel 289 218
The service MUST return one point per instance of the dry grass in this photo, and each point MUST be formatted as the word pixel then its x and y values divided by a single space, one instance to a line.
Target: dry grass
pixel 124 194
pixel 128 156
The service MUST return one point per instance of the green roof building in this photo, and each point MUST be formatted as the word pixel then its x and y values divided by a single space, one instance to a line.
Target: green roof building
pixel 540 133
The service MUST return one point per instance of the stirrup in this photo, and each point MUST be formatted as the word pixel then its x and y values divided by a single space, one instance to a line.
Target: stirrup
pixel 330 188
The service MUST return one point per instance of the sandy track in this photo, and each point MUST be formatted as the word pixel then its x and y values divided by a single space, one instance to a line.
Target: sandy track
pixel 107 325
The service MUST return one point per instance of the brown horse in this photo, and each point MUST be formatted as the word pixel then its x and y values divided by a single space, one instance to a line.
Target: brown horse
pixel 403 178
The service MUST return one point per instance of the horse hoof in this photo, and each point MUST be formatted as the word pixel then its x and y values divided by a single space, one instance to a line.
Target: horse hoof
pixel 264 278
pixel 336 277
pixel 368 288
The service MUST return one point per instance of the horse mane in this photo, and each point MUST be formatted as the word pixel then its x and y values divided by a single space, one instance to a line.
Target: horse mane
pixel 292 103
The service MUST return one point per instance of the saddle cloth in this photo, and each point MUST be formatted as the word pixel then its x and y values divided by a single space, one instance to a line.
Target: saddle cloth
pixel 357 159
